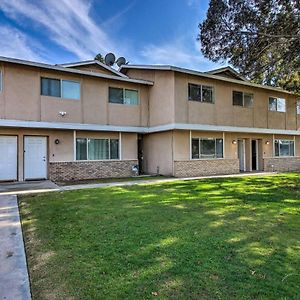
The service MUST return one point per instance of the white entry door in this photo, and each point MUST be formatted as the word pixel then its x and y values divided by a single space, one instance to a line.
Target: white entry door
pixel 35 157
pixel 8 157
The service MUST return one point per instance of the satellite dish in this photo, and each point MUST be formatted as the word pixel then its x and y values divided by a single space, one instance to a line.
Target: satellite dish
pixel 110 59
pixel 121 61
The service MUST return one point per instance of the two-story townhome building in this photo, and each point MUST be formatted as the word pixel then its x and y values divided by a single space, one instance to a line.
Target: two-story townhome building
pixel 86 120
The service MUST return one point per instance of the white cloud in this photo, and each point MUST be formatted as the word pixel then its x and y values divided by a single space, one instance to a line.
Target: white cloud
pixel 14 43
pixel 175 53
pixel 66 22
pixel 193 2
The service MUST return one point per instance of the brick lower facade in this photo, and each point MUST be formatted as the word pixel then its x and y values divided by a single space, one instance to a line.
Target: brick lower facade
pixel 81 170
pixel 191 168
pixel 282 164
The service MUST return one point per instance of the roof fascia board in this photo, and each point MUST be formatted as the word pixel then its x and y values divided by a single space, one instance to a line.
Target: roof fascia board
pixel 205 127
pixel 73 71
pixel 229 69
pixel 140 129
pixel 70 126
pixel 206 75
pixel 93 62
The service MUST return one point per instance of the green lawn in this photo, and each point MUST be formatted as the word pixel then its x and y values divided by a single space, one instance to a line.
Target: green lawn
pixel 230 238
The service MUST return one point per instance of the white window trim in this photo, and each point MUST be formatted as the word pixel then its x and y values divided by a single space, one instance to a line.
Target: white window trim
pixel 87 149
pixel 124 89
pixel 205 138
pixel 201 86
pixel 277 104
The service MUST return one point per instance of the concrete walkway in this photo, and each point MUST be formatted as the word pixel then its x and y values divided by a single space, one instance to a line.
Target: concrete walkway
pixel 34 187
pixel 14 280
pixel 155 181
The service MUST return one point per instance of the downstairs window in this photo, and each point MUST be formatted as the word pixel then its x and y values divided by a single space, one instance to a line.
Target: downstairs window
pixel 207 148
pixel 284 147
pixel 97 149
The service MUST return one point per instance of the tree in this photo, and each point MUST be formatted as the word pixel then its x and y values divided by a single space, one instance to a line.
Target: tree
pixel 260 38
pixel 99 57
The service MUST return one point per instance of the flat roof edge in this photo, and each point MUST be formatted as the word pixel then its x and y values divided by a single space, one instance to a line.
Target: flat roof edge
pixel 143 129
pixel 73 71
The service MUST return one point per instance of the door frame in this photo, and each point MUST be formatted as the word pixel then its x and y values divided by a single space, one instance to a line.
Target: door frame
pixel 257 154
pixel 244 153
pixel 47 153
pixel 17 171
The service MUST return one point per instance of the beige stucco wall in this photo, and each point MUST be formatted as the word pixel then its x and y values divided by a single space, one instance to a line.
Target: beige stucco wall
pixel 20 99
pixel 64 151
pixel 161 94
pixel 222 112
pixel 157 153
pixel 181 141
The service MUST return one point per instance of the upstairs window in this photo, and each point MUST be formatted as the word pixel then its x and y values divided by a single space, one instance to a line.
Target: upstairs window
pixel 201 93
pixel 298 107
pixel 284 148
pixel 123 96
pixel 97 149
pixel 70 89
pixel 277 104
pixel 60 88
pixel 242 99
pixel 50 87
pixel 207 148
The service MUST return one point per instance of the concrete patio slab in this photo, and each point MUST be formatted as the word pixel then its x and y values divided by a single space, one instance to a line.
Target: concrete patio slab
pixel 14 280
pixel 26 187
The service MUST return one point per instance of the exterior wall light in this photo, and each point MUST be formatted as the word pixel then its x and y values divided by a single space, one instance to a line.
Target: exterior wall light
pixel 267 142
pixel 57 141
pixel 234 142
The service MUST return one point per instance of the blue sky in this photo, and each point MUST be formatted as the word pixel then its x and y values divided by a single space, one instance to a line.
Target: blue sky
pixel 144 31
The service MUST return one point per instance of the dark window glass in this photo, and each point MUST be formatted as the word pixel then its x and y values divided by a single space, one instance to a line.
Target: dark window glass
pixel 116 95
pixel 81 149
pixel 237 98
pixel 272 104
pixel 195 148
pixel 194 92
pixel 207 94
pixel 207 148
pixel 276 144
pixel 50 87
pixel 114 149
pixel 292 148
pixel 219 148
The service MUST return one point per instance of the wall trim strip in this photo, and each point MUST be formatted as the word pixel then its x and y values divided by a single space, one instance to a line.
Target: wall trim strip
pixel 139 129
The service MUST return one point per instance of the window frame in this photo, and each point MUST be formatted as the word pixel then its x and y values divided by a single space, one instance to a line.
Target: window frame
pixel 199 139
pixel 124 92
pixel 243 99
pixel 277 98
pixel 61 88
pixel 109 149
pixel 286 140
pixel 201 92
